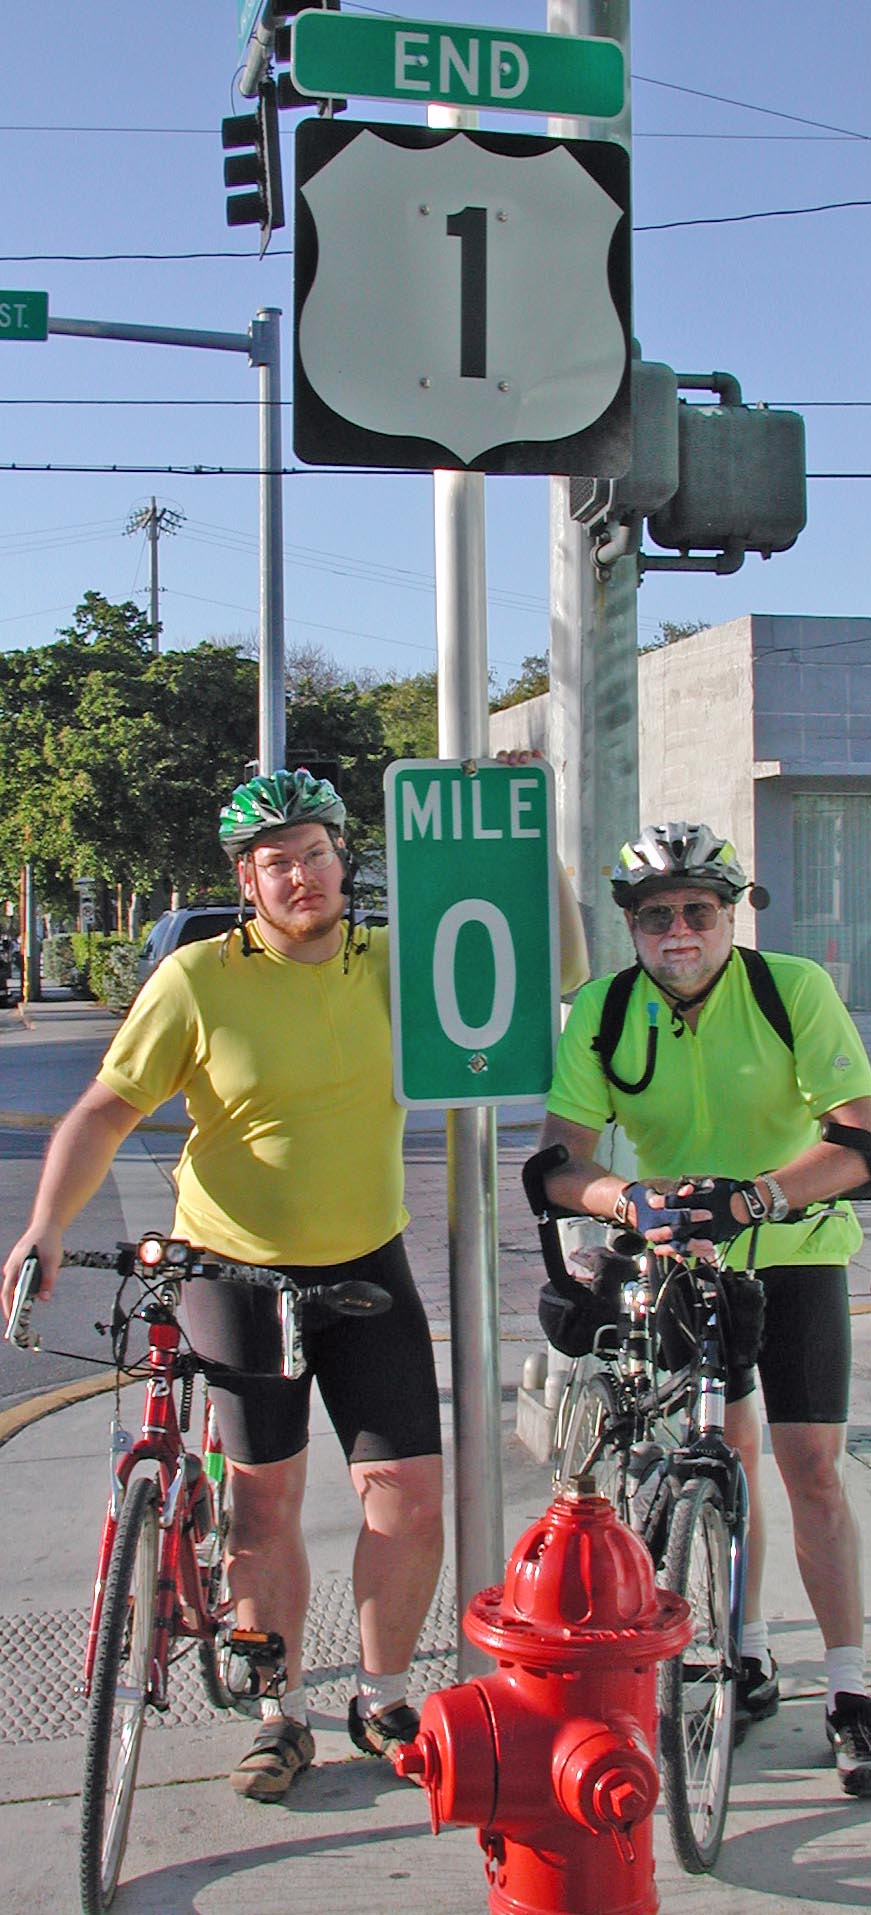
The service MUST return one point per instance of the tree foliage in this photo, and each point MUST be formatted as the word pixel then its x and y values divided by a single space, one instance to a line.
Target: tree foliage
pixel 532 679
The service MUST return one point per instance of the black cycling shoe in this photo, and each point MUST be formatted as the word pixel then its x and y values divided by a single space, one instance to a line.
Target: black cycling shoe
pixel 849 1731
pixel 758 1695
pixel 385 1733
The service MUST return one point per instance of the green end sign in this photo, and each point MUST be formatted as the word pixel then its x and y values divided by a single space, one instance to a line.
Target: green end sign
pixel 474 965
pixel 431 61
pixel 23 315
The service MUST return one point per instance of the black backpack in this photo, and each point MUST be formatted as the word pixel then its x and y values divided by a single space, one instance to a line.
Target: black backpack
pixel 616 1003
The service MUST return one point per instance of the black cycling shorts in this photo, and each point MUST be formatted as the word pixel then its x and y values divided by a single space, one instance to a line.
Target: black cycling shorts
pixel 804 1361
pixel 376 1375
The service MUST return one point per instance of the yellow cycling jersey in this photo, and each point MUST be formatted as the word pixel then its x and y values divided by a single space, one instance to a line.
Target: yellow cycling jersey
pixel 728 1099
pixel 295 1151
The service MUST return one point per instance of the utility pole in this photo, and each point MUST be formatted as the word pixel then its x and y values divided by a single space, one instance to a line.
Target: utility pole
pixel 594 628
pixel 152 522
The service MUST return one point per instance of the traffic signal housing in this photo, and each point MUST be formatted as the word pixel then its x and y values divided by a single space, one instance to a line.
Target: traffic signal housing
pixel 288 94
pixel 742 481
pixel 253 143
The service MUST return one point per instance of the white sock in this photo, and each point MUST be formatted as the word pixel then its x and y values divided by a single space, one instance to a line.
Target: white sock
pixel 377 1693
pixel 291 1705
pixel 845 1672
pixel 754 1642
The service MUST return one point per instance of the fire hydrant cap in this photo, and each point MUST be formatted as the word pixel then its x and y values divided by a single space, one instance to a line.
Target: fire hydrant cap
pixel 578 1581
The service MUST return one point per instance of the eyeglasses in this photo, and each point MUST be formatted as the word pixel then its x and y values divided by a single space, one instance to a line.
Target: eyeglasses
pixel 700 914
pixel 310 863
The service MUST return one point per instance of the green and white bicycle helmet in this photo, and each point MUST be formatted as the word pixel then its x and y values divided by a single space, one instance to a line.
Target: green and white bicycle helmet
pixel 284 798
pixel 671 854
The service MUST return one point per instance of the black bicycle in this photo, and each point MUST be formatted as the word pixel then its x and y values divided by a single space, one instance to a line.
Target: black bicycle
pixel 642 1414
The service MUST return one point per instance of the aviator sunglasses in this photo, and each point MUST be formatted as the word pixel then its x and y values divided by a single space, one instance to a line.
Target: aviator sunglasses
pixel 700 914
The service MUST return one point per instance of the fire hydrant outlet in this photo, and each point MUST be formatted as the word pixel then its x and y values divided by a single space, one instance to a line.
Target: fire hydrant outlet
pixel 603 1780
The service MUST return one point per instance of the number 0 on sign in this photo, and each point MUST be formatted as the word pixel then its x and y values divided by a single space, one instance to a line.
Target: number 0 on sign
pixel 462 300
pixel 473 931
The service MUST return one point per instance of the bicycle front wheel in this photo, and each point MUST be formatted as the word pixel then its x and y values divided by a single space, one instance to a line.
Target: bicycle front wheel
pixel 215 1659
pixel 696 1689
pixel 119 1696
pixel 592 1417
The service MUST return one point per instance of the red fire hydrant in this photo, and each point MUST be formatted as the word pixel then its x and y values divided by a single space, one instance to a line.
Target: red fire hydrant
pixel 551 1757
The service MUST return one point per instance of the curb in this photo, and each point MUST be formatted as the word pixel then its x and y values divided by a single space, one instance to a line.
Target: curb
pixel 13 1421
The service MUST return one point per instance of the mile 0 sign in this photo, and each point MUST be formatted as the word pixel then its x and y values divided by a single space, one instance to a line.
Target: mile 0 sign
pixel 474 969
pixel 461 300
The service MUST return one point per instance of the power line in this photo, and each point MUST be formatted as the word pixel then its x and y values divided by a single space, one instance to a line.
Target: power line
pixel 734 219
pixel 749 106
pixel 270 472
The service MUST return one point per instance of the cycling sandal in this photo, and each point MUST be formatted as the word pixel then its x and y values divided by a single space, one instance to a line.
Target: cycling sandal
pixel 282 1750
pixel 385 1733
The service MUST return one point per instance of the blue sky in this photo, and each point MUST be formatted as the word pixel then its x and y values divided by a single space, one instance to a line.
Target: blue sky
pixel 110 134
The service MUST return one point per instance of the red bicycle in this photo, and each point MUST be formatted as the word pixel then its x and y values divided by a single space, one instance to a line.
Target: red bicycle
pixel 161 1583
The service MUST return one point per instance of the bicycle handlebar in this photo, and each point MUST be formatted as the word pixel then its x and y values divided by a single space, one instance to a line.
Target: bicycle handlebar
pixel 174 1260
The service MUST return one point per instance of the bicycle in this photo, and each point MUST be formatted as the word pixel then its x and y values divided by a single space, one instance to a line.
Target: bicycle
pixel 161 1579
pixel 653 1444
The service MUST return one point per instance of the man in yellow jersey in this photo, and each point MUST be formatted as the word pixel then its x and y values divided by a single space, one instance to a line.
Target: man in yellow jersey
pixel 279 1036
pixel 745 1088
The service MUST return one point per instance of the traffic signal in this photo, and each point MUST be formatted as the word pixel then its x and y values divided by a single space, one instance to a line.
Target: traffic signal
pixel 288 94
pixel 742 481
pixel 252 140
pixel 653 469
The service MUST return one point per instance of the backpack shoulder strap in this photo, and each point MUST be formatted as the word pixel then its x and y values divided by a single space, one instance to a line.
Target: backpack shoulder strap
pixel 614 1010
pixel 767 994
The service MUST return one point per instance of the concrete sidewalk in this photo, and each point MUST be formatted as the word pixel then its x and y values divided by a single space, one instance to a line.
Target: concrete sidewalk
pixel 349 1837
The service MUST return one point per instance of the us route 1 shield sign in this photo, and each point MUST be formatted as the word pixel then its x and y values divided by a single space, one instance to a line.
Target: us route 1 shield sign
pixel 461 300
pixel 472 900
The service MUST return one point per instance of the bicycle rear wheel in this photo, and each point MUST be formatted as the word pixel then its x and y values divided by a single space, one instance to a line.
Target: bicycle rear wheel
pixel 593 1412
pixel 696 1689
pixel 119 1696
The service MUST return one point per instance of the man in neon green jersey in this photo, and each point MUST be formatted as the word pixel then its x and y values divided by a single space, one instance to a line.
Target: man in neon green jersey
pixel 746 1090
pixel 279 1036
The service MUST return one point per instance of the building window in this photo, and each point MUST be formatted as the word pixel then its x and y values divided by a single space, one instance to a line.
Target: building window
pixel 832 913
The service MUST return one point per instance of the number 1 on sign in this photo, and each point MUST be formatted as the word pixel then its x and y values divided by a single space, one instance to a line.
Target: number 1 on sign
pixel 470 228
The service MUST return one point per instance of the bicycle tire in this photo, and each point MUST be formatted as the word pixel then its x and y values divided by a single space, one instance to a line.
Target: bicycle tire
pixel 119 1696
pixel 594 1404
pixel 696 1689
pixel 214 1657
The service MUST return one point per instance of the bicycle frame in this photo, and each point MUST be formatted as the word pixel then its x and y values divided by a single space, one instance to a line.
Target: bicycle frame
pixel 181 1606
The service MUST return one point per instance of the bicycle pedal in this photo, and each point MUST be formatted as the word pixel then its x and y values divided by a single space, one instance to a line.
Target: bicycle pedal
pixel 256 1645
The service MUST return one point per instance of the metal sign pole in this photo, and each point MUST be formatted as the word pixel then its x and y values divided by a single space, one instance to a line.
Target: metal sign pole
pixel 461 625
pixel 266 352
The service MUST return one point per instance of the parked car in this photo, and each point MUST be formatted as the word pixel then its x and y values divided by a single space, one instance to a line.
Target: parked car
pixel 187 926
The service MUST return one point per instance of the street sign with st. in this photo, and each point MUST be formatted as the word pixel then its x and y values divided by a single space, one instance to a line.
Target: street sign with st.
pixel 474 968
pixel 462 300
pixel 23 315
pixel 427 61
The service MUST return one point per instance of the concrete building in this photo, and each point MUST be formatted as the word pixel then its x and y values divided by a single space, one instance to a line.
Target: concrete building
pixel 763 728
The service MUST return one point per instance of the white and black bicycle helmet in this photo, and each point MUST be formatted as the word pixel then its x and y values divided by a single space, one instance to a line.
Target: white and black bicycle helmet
pixel 670 854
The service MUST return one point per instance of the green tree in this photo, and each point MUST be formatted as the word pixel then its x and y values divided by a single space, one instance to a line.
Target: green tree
pixel 408 708
pixel 532 679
